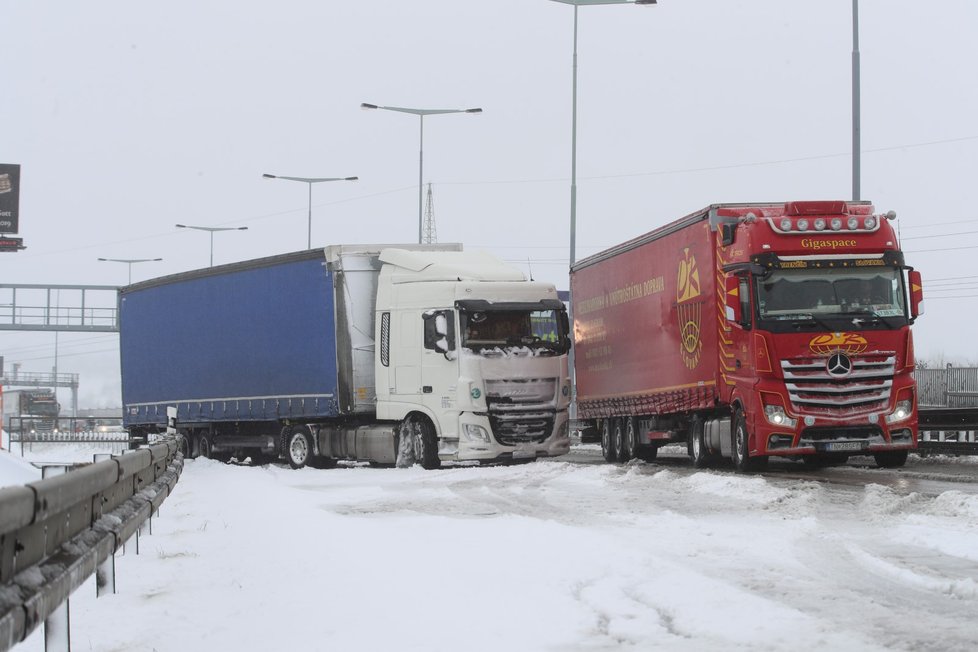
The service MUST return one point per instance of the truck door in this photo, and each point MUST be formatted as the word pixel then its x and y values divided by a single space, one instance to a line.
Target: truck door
pixel 439 362
pixel 739 362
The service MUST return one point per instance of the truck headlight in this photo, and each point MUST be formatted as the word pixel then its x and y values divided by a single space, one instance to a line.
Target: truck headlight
pixel 901 413
pixel 473 432
pixel 776 416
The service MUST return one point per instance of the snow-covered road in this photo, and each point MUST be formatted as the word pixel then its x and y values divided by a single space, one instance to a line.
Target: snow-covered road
pixel 543 556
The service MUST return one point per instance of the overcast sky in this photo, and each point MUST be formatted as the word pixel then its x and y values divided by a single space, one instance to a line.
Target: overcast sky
pixel 130 117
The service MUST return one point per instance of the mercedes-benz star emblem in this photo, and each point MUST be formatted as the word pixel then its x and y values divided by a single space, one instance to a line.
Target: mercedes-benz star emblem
pixel 839 364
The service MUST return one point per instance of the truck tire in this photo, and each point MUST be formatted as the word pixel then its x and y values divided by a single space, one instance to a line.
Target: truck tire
pixel 618 440
pixel 203 445
pixel 742 460
pixel 425 443
pixel 185 445
pixel 607 448
pixel 297 446
pixel 891 459
pixel 699 454
pixel 632 443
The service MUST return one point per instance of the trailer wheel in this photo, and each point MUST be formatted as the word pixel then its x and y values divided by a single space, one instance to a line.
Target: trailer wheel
pixel 891 459
pixel 698 452
pixel 618 440
pixel 425 442
pixel 203 446
pixel 607 448
pixel 632 443
pixel 185 447
pixel 741 448
pixel 297 446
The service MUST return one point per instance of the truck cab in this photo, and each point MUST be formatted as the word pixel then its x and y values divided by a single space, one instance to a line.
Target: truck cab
pixel 817 349
pixel 473 355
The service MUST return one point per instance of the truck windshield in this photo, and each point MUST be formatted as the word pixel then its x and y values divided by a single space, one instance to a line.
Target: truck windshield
pixel 795 294
pixel 540 330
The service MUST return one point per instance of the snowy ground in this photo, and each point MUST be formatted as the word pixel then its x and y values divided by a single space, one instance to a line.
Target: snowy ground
pixel 543 556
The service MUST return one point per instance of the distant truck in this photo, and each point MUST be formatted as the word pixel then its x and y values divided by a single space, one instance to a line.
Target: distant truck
pixel 382 354
pixel 27 411
pixel 751 330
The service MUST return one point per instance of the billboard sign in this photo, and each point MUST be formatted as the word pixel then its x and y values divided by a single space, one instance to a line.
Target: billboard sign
pixel 9 198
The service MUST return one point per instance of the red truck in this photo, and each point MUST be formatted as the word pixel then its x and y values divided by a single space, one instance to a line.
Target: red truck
pixel 751 330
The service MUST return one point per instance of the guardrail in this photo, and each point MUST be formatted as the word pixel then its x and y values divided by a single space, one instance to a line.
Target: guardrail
pixel 948 430
pixel 55 532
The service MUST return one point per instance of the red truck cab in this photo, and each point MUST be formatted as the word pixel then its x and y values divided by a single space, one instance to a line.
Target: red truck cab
pixel 816 348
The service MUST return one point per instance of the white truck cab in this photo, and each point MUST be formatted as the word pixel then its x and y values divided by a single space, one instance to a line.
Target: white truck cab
pixel 468 344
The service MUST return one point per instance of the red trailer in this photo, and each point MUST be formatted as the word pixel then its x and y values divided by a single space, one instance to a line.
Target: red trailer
pixel 751 330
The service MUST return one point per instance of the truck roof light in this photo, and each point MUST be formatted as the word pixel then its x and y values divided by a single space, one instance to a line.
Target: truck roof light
pixel 802 225
pixel 853 223
pixel 836 224
pixel 869 222
pixel 819 224
pixel 785 224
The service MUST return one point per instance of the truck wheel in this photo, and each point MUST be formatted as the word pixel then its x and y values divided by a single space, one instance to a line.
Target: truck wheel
pixel 618 440
pixel 203 446
pixel 185 447
pixel 297 446
pixel 891 459
pixel 425 443
pixel 631 439
pixel 607 448
pixel 698 452
pixel 742 460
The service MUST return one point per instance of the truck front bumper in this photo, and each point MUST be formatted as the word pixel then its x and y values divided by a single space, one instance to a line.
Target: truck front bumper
pixel 476 442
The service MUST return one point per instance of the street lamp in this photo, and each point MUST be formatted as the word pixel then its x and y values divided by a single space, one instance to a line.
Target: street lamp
pixel 421 113
pixel 309 181
pixel 211 230
pixel 129 262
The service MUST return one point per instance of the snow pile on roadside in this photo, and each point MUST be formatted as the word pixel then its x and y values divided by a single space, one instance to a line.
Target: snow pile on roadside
pixel 15 470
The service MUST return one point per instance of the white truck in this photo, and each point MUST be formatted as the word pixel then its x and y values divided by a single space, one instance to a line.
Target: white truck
pixel 387 354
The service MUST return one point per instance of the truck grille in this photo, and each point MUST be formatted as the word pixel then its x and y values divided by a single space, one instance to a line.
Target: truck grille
pixel 522 411
pixel 840 382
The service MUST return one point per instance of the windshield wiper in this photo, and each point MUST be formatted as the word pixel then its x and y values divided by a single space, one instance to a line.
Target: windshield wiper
pixel 806 316
pixel 871 316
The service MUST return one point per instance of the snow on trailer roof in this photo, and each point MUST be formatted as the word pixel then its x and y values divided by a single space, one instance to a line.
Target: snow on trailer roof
pixel 449 266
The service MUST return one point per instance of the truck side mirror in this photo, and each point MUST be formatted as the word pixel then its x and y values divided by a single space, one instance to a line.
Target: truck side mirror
pixel 439 330
pixel 728 233
pixel 916 294
pixel 565 328
pixel 731 297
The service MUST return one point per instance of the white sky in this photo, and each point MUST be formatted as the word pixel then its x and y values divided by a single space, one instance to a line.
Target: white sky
pixel 128 118
pixel 544 556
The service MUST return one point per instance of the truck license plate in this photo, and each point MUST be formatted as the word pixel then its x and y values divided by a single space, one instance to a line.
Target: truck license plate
pixel 845 446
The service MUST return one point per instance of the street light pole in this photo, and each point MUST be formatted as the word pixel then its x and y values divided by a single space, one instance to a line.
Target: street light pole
pixel 309 181
pixel 856 153
pixel 129 262
pixel 421 113
pixel 573 197
pixel 211 230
